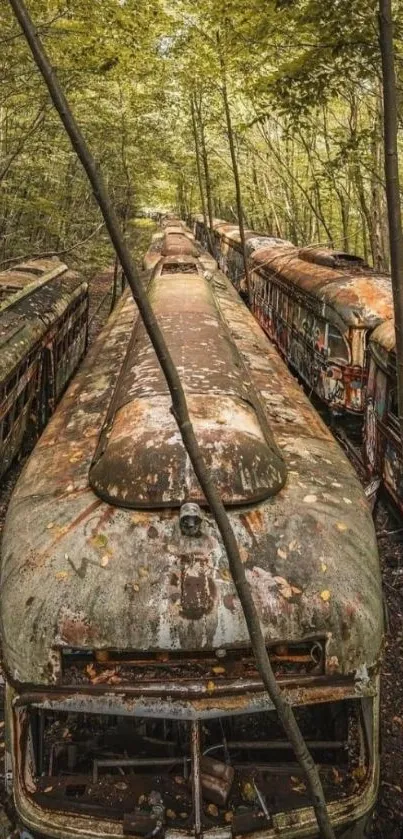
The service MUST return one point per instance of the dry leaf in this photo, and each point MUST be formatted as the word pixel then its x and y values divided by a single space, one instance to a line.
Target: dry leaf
pixel 324 566
pixel 100 540
pixel 219 671
pixel 341 526
pixel 210 687
pixel 282 553
pixel 104 561
pixel 281 581
pixel 310 499
pixel 61 575
pixel 300 787
pixel 325 595
pixel 212 810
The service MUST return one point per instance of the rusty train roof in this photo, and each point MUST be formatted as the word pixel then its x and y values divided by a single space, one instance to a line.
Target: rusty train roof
pixel 78 572
pixel 27 318
pixel 184 249
pixel 384 335
pixel 141 461
pixel 359 299
pixel 341 284
pixel 382 345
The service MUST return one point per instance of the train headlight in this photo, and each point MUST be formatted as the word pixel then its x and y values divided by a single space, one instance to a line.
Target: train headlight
pixel 190 519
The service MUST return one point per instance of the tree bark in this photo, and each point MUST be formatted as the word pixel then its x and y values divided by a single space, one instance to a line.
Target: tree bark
pixel 206 167
pixel 240 214
pixel 393 185
pixel 180 411
pixel 199 173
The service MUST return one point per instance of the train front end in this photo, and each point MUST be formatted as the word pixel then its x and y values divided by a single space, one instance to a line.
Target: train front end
pixel 134 707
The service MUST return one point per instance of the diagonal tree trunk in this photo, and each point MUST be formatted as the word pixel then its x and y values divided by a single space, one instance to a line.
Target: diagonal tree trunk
pixel 180 411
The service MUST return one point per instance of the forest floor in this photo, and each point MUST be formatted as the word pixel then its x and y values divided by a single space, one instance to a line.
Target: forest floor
pixel 388 819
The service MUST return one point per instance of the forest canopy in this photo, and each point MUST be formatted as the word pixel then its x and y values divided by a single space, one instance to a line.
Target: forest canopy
pixel 146 84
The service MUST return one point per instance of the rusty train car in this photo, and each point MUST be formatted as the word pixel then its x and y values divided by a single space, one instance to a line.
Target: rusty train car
pixel 133 703
pixel 319 306
pixel 382 441
pixel 43 336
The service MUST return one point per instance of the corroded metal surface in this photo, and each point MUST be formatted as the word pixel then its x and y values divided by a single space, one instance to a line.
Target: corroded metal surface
pixel 179 244
pixel 361 300
pixel 75 571
pixel 330 258
pixel 383 447
pixel 384 336
pixel 26 320
pixel 120 618
pixel 317 305
pixel 40 275
pixel 43 327
pixel 141 461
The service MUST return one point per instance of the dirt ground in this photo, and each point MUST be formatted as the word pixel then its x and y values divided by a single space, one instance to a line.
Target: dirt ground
pixel 388 822
pixel 388 819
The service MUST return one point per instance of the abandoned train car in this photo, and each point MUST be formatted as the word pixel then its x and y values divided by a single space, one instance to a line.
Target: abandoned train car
pixel 43 335
pixel 133 703
pixel 319 306
pixel 382 442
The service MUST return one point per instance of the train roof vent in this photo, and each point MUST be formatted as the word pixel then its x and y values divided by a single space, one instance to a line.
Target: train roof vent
pixel 141 461
pixel 329 258
pixel 179 268
pixel 178 243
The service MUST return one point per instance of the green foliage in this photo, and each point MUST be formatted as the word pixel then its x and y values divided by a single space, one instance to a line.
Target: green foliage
pixel 303 85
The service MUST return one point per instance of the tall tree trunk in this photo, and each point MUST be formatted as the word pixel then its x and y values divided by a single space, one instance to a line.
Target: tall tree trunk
pixel 181 414
pixel 206 167
pixel 393 184
pixel 240 214
pixel 199 173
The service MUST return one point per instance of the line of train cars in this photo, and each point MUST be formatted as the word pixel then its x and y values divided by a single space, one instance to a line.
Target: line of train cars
pixel 133 703
pixel 43 336
pixel 331 316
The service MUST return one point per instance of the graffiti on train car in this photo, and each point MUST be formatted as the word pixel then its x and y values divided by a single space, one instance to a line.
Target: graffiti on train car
pixel 305 340
pixel 382 443
pixel 43 331
pixel 317 305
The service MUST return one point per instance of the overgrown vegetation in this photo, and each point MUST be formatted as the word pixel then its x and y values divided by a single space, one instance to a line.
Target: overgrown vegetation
pixel 303 83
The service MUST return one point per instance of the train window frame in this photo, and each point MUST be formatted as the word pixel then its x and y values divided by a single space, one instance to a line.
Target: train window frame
pixel 392 412
pixel 283 306
pixel 334 356
pixel 290 311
